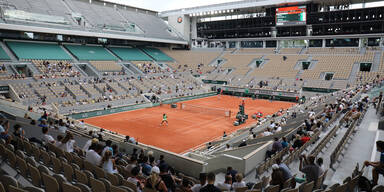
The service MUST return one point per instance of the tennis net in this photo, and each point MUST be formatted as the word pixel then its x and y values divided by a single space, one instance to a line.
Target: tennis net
pixel 205 110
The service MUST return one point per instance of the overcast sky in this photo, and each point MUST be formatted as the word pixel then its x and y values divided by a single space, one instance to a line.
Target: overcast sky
pixel 164 5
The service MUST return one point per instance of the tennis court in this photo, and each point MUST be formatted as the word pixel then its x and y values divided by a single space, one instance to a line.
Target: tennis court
pixel 187 129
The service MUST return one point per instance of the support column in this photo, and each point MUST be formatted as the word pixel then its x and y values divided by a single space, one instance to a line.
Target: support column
pixel 324 43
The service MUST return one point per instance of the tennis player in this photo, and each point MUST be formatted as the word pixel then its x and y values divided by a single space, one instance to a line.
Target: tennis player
pixel 221 92
pixel 164 120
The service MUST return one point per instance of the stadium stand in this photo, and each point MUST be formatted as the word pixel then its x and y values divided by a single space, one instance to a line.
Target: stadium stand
pixel 106 66
pixel 38 51
pixel 130 54
pixel 278 67
pixel 341 71
pixel 89 52
pixel 256 51
pixel 157 54
pixel 197 61
pixel 55 68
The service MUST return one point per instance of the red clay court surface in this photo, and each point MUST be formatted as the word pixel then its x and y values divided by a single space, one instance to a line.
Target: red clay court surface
pixel 186 130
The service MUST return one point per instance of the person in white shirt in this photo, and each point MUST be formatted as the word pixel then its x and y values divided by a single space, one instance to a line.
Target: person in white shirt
pixel 67 144
pixel 46 137
pixel 132 164
pixel 239 182
pixel 59 139
pixel 227 185
pixel 92 156
pixel 108 164
pixel 267 132
pixel 203 182
pixel 89 143
pixel 278 128
pixel 107 147
pixel 62 128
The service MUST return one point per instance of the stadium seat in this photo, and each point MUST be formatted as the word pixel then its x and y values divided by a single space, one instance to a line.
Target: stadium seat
pixel 70 188
pixel 15 189
pixel 35 175
pixel 272 188
pixel 290 190
pixel 33 189
pixel 306 187
pixel 50 183
pixel 7 181
pixel 97 185
pixel 83 187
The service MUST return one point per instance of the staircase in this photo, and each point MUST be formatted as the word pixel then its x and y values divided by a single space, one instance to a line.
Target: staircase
pixel 352 76
pixel 69 53
pixel 112 53
pixel 363 50
pixel 126 70
pixel 133 68
pixel 303 50
pixel 8 51
pixel 376 62
pixel 298 75
pixel 33 69
pixel 80 70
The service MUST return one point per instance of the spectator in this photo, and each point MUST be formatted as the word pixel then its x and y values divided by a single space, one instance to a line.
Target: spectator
pixel 59 139
pixel 203 181
pixel 276 147
pixel 185 186
pixel 267 132
pixel 243 143
pixel 146 168
pixel 62 127
pixel 284 142
pixel 4 127
pixel 155 182
pixel 167 178
pixel 89 143
pixel 232 172
pixel 43 123
pixel 378 167
pixel 227 185
pixel 210 187
pixel 227 147
pixel 297 143
pixel 135 179
pixel 309 168
pixel 320 163
pixel 161 160
pixel 93 156
pixel 132 163
pixel 108 145
pixel 277 177
pixel 46 137
pixel 284 168
pixel 305 138
pixel 115 151
pixel 108 164
pixel 67 144
pixel 239 182
pixel 129 139
pixel 224 135
pixel 18 131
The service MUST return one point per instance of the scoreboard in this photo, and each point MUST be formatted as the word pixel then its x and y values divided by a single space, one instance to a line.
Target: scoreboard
pixel 296 15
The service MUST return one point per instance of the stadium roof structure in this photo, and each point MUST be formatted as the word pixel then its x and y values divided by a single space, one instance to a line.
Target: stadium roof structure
pixel 246 4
